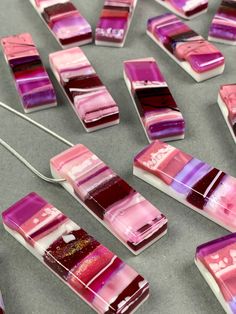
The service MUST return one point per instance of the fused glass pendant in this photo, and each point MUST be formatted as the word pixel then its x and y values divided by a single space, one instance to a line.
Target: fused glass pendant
pixel 87 267
pixel 196 184
pixel 33 84
pixel 192 52
pixel 156 107
pixel 121 209
pixel 216 262
pixel 65 22
pixel 90 99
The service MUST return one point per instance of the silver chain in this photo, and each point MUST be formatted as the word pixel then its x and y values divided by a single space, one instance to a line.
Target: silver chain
pixel 20 157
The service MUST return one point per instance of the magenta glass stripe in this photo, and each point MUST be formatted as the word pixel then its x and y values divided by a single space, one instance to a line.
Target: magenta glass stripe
pixel 185 8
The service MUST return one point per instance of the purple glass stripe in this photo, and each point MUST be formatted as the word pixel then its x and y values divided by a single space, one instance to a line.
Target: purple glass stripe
pixel 92 175
pixel 215 245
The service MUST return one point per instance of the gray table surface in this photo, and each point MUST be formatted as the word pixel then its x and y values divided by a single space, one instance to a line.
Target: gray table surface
pixel 176 284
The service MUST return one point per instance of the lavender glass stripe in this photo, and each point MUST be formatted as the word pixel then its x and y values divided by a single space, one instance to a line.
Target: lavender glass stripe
pixel 194 170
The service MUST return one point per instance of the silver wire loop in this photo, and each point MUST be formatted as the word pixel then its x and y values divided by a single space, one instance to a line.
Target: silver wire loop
pixel 20 157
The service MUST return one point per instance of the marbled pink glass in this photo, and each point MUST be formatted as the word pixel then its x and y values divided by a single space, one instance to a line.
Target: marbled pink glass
pixel 227 103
